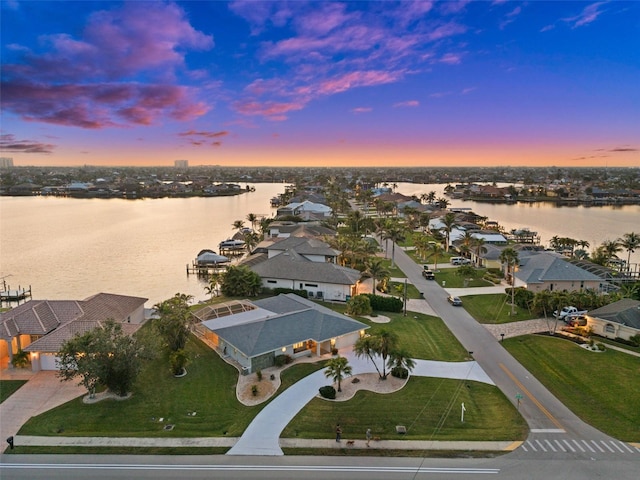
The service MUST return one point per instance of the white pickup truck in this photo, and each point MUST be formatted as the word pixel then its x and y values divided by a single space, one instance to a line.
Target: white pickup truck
pixel 569 312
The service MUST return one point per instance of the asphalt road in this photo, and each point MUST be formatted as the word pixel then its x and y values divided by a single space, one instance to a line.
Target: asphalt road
pixel 546 416
pixel 65 467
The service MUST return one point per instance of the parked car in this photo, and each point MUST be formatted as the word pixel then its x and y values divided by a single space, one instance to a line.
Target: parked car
pixel 568 312
pixel 455 301
pixel 428 274
pixel 459 261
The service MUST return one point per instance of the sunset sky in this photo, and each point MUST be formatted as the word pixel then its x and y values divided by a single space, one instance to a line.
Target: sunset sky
pixel 382 83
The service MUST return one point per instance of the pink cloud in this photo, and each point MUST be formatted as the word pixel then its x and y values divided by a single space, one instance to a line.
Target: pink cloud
pixel 8 143
pixel 89 82
pixel 588 15
pixel 408 103
pixel 450 59
pixel 361 110
pixel 357 79
pixel 320 22
pixel 272 110
pixel 447 30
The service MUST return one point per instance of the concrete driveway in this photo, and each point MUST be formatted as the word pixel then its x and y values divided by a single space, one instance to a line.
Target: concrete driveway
pixel 42 392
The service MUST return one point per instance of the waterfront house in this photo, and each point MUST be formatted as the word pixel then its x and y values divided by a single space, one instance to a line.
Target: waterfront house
pixel 253 334
pixel 40 327
pixel 306 210
pixel 311 249
pixel 620 319
pixel 321 279
pixel 284 229
pixel 542 270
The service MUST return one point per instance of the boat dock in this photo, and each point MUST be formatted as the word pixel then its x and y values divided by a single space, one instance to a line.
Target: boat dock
pixel 17 295
pixel 205 270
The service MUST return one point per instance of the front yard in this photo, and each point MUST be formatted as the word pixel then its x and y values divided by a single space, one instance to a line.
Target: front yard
pixel 494 309
pixel 601 388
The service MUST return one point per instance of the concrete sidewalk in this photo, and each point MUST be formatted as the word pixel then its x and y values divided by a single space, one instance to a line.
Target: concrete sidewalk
pixel 212 442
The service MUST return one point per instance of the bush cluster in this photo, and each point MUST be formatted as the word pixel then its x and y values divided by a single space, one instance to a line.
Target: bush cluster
pixel 399 372
pixel 384 304
pixel 300 293
pixel 281 360
pixel 328 392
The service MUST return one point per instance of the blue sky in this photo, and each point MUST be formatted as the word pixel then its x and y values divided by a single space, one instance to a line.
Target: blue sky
pixel 321 83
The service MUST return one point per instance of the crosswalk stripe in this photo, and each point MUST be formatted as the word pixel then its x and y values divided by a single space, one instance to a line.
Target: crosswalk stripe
pixel 524 447
pixel 542 446
pixel 550 446
pixel 626 446
pixel 587 445
pixel 615 444
pixel 597 446
pixel 533 447
pixel 579 446
pixel 608 447
pixel 560 445
pixel 569 446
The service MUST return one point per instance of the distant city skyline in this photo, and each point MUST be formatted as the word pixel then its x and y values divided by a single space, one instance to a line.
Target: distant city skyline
pixel 451 83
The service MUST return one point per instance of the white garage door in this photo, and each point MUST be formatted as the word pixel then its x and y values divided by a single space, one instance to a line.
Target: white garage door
pixel 48 361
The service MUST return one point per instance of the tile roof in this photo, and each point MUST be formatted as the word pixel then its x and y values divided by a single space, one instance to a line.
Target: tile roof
pixel 57 320
pixel 538 267
pixel 304 246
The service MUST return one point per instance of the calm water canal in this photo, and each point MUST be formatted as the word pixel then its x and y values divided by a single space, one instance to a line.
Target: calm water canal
pixel 72 248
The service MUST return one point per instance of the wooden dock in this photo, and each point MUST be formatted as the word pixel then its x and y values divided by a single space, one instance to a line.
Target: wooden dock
pixel 205 270
pixel 17 295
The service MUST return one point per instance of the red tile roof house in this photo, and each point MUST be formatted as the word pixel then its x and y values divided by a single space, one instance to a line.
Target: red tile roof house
pixel 40 327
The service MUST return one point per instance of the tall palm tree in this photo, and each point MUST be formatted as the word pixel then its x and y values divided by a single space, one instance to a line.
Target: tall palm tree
pixel 337 368
pixel 377 271
pixel 630 241
pixel 449 221
pixel 611 248
pixel 366 347
pixel 253 219
pixel 238 225
pixel 387 342
pixel 431 197
pixel 509 257
pixel 435 251
pixel 478 248
pixel 395 233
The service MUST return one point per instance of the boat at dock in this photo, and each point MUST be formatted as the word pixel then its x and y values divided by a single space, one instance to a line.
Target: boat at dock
pixel 231 244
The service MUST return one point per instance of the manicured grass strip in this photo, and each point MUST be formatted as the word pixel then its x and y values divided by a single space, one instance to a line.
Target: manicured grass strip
pixel 428 407
pixel 412 291
pixel 387 452
pixel 8 387
pixel 42 450
pixel 394 271
pixel 424 336
pixel 453 280
pixel 494 309
pixel 602 388
pixel 208 389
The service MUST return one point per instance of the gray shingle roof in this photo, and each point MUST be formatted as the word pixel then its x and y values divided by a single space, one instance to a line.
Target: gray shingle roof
pixel 540 267
pixel 260 336
pixel 304 246
pixel 625 312
pixel 292 266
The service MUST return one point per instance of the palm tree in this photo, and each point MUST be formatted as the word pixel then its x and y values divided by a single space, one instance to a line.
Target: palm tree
pixel 253 219
pixel 431 197
pixel 559 300
pixel 238 225
pixel 377 271
pixel 386 342
pixel 509 257
pixel 479 249
pixel 435 251
pixel 395 233
pixel 400 358
pixel 449 221
pixel 337 368
pixel 630 241
pixel 213 287
pixel 611 248
pixel 366 347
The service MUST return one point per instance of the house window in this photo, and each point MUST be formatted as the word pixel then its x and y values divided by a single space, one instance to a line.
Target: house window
pixel 314 285
pixel 272 281
pixel 299 347
pixel 608 328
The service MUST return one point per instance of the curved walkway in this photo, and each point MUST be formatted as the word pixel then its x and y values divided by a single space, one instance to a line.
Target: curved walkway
pixel 262 436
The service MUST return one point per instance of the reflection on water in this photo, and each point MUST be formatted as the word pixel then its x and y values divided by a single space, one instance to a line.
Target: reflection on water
pixel 72 248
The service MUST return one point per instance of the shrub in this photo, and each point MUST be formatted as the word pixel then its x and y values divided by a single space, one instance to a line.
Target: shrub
pixel 399 372
pixel 300 293
pixel 496 272
pixel 600 346
pixel 634 341
pixel 328 392
pixel 254 390
pixel 521 296
pixel 259 375
pixel 178 361
pixel 384 304
pixel 281 360
pixel 359 305
pixel 20 359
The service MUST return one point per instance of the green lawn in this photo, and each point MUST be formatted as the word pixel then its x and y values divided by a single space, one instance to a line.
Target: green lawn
pixel 602 388
pixel 412 291
pixel 394 272
pixel 424 336
pixel 7 387
pixel 428 407
pixel 453 280
pixel 494 308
